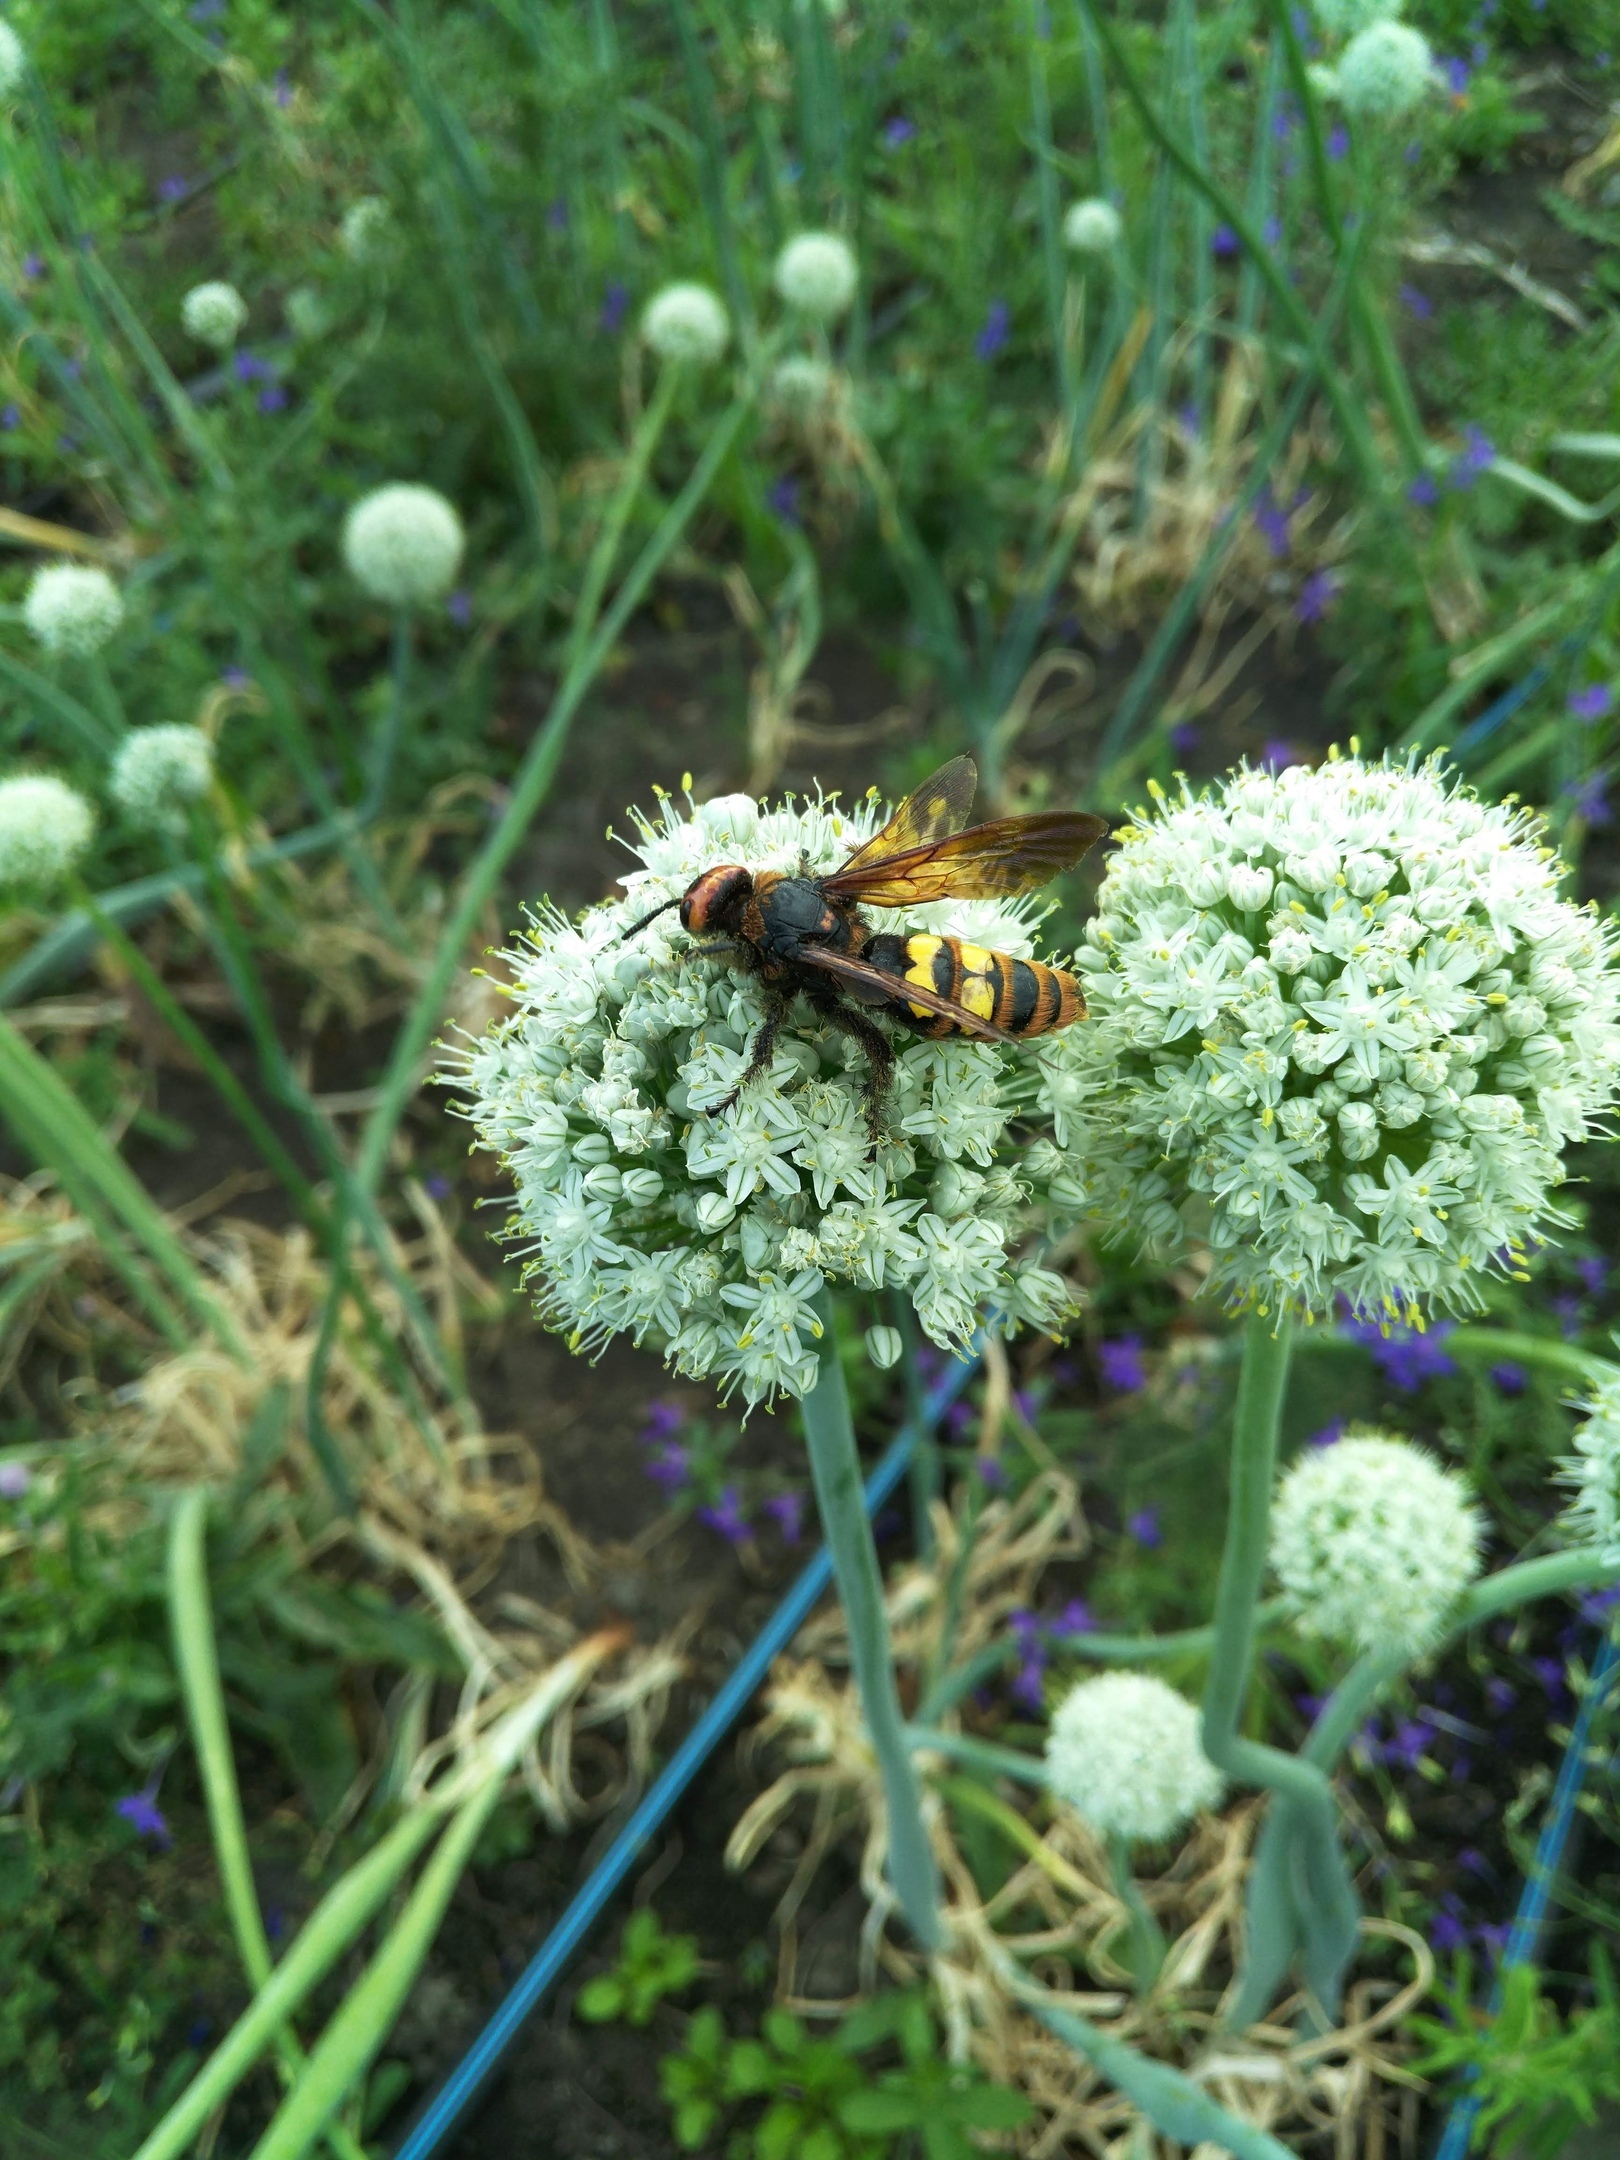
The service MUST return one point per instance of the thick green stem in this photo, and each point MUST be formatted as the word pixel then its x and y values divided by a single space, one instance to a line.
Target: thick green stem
pixel 1145 1945
pixel 835 1469
pixel 1272 1880
pixel 1329 1915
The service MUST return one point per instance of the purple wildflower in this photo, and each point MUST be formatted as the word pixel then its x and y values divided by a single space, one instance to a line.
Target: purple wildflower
pixel 1143 1526
pixel 1593 1272
pixel 1596 1607
pixel 459 608
pixel 15 1480
pixel 436 1186
pixel 1074 1619
pixel 782 500
pixel 1271 522
pixel 727 1517
pixel 1338 142
pixel 670 1468
pixel 661 1419
pixel 281 88
pixel 1493 1936
pixel 1589 799
pixel 1456 72
pixel 174 189
pixel 1591 703
pixel 1477 455
pixel 1224 241
pixel 1329 1436
pixel 1424 491
pixel 1121 1364
pixel 1446 1933
pixel 991 1472
pixel 615 306
pixel 235 678
pixel 1316 596
pixel 141 1811
pixel 1278 756
pixel 1031 1651
pixel 557 214
pixel 1471 1861
pixel 1409 1742
pixel 248 367
pixel 33 266
pixel 997 327
pixel 1510 1377
pixel 272 398
pixel 786 1510
pixel 1566 1310
pixel 1415 302
pixel 1184 737
pixel 1025 1404
pixel 898 132
pixel 1550 1672
pixel 1407 1357
pixel 1501 1695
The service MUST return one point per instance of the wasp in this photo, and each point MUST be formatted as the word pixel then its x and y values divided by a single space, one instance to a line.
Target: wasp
pixel 805 935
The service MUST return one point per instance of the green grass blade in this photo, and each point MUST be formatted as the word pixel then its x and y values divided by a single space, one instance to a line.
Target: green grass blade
pixel 55 1126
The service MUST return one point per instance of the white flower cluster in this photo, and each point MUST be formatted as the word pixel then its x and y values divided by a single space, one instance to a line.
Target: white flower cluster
pixel 1373 1542
pixel 1092 227
pixel 687 325
pixel 365 230
pixel 1342 1028
pixel 1593 1473
pixel 1124 1752
pixel 158 770
pixel 1384 71
pixel 711 1235
pixel 403 543
pixel 213 314
pixel 816 273
pixel 72 609
pixel 45 826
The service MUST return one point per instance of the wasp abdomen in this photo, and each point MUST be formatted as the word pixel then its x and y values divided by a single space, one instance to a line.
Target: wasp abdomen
pixel 1022 996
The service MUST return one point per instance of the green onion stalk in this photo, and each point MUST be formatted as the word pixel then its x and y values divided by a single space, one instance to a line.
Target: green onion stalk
pixel 835 1470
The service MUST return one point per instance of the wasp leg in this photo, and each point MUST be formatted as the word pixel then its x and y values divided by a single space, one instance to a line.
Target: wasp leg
pixel 713 952
pixel 759 1058
pixel 879 1057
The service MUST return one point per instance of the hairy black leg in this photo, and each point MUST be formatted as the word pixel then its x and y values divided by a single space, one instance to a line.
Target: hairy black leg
pixel 879 1057
pixel 760 1058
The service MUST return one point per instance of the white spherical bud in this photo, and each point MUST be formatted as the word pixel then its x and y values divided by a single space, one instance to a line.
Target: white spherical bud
pixel 72 609
pixel 403 543
pixel 13 61
pixel 714 1211
pixel 1344 18
pixel 1092 227
pixel 366 229
pixel 1290 951
pixel 213 314
pixel 1384 71
pixel 641 1187
pixel 1249 886
pixel 687 324
pixel 1124 1752
pixel 158 771
pixel 1373 1542
pixel 885 1346
pixel 801 386
pixel 1366 874
pixel 816 273
pixel 1398 1106
pixel 45 827
pixel 1358 1131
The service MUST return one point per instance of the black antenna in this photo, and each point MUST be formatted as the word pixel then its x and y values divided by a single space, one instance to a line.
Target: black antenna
pixel 653 917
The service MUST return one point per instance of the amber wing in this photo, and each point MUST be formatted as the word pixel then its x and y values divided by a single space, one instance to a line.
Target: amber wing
pixel 994 861
pixel 940 806
pixel 896 989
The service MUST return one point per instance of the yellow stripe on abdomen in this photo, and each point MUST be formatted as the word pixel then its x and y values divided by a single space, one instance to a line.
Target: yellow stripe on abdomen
pixel 921 953
pixel 980 981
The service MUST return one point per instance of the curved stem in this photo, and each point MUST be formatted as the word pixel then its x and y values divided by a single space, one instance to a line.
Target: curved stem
pixel 836 1472
pixel 1509 1345
pixel 1146 1937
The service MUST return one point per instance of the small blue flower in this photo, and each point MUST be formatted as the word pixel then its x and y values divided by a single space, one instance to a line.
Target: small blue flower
pixel 1121 1364
pixel 997 328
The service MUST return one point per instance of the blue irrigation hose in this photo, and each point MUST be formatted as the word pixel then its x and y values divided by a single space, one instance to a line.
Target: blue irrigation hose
pixel 555 1954
pixel 1538 1884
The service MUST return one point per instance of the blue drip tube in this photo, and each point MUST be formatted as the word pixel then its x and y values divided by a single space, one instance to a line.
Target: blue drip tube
pixel 1538 1884
pixel 552 1959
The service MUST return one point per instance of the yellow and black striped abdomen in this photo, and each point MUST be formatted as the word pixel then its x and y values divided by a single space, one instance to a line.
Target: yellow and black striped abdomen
pixel 1021 996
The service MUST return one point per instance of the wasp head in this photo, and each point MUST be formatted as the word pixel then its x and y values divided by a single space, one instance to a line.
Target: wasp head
pixel 715 901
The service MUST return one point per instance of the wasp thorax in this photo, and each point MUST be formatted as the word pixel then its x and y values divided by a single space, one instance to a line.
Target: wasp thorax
pixel 710 901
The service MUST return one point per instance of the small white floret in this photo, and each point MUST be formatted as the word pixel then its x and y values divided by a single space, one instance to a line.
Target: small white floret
pixel 1385 71
pixel 213 314
pixel 364 232
pixel 72 608
pixel 45 827
pixel 687 324
pixel 885 1346
pixel 1092 227
pixel 158 771
pixel 1593 1475
pixel 1124 1752
pixel 1374 1541
pixel 817 274
pixel 403 543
